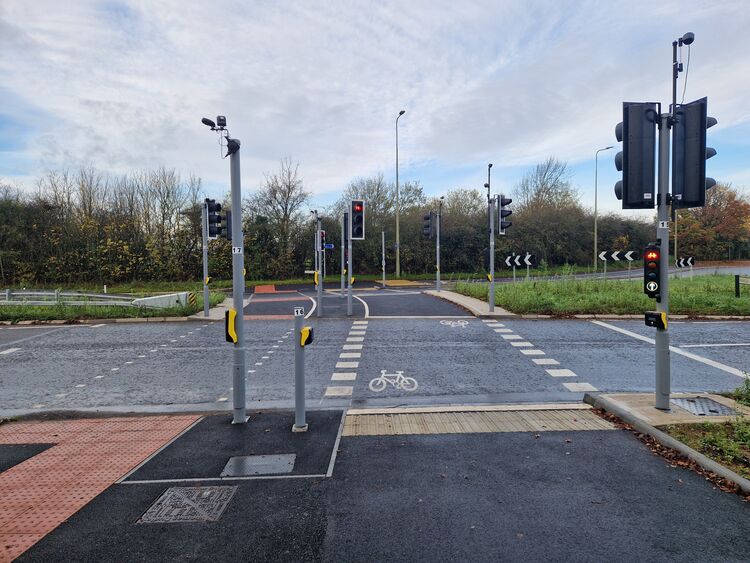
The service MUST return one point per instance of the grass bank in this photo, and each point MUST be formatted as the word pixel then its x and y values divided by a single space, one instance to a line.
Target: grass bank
pixel 727 443
pixel 16 313
pixel 703 295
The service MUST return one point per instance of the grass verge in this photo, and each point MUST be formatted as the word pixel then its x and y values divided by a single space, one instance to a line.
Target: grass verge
pixel 71 313
pixel 703 295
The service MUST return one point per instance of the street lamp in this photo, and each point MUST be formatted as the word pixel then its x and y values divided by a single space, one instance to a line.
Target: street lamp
pixel 596 179
pixel 398 204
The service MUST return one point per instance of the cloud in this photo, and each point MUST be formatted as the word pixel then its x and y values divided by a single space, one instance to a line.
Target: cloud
pixel 123 84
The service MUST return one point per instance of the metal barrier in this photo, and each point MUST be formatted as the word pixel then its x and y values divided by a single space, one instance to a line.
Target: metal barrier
pixel 75 298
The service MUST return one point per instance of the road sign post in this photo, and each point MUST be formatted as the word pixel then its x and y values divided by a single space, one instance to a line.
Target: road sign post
pixel 437 249
pixel 663 368
pixel 301 339
pixel 382 254
pixel 349 263
pixel 343 252
pixel 320 255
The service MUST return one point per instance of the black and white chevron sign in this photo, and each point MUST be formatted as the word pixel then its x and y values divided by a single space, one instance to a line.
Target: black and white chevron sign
pixel 684 262
pixel 518 260
pixel 618 255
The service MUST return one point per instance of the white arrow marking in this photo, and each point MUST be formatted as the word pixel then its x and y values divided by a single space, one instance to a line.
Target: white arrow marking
pixel 518 260
pixel 603 255
pixel 527 259
pixel 507 261
pixel 628 256
pixel 615 256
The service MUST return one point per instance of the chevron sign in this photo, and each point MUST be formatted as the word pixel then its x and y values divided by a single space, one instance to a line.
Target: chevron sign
pixel 684 262
pixel 519 260
pixel 618 255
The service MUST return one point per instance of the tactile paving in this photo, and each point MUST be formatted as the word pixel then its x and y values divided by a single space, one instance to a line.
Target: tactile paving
pixel 89 455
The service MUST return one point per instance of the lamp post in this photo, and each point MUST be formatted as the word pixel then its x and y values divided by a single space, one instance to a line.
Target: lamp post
pixel 398 205
pixel 596 180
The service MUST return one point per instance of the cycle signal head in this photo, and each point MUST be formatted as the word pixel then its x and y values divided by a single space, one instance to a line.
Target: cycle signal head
pixel 651 270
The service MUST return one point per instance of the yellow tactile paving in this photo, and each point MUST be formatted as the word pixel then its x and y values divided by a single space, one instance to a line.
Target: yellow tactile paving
pixel 361 423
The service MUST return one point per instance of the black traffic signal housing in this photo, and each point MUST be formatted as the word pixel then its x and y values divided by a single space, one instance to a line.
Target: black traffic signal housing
pixel 651 269
pixel 689 154
pixel 428 226
pixel 215 227
pixel 637 160
pixel 358 219
pixel 322 239
pixel 502 213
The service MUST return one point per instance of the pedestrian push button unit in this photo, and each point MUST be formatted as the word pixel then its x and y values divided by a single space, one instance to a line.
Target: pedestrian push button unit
pixel 656 319
pixel 230 325
pixel 305 336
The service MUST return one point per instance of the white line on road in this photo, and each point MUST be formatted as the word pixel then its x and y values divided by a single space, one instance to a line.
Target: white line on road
pixel 340 365
pixel 561 373
pixel 360 322
pixel 350 355
pixel 545 362
pixel 532 352
pixel 352 346
pixel 522 344
pixel 344 376
pixel 367 309
pixel 511 337
pixel 115 369
pixel 251 371
pixel 265 357
pixel 503 330
pixel 81 385
pixel 98 326
pixel 258 363
pixel 339 391
pixel 696 357
pixel 98 376
pixel 579 387
pixel 713 345
pixel 9 351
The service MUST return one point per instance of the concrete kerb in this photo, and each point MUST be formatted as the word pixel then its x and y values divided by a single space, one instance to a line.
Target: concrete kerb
pixel 602 402
pixel 476 307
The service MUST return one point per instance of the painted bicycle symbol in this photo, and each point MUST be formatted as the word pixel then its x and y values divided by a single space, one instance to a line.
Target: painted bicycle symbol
pixel 398 380
pixel 453 324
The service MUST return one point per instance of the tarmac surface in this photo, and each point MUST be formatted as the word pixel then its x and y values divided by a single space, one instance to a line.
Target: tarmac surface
pixel 552 496
pixel 453 357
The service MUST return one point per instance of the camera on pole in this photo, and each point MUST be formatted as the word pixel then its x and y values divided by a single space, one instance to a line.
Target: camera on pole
pixel 689 154
pixel 637 160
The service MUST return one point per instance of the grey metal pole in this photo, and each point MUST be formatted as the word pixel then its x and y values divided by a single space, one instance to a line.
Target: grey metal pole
pixel 491 298
pixel 382 251
pixel 319 252
pixel 316 243
pixel 349 262
pixel 596 181
pixel 343 265
pixel 398 207
pixel 238 284
pixel 663 367
pixel 300 425
pixel 204 223
pixel 437 248
pixel 605 270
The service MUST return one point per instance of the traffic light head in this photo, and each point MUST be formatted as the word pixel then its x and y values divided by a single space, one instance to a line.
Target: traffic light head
pixel 502 213
pixel 637 160
pixel 215 226
pixel 322 240
pixel 427 226
pixel 651 269
pixel 689 154
pixel 358 219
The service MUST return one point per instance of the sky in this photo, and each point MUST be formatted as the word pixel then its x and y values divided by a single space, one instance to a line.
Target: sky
pixel 122 85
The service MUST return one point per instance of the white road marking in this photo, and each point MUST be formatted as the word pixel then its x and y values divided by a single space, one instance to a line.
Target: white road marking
pixel 545 362
pixel 344 376
pixel 173 340
pixel 579 387
pixel 9 351
pixel 115 369
pixel 258 363
pixel 81 385
pixel 221 400
pixel 60 395
pixel 204 326
pixel 37 406
pixel 511 337
pixel 181 336
pixel 361 322
pixel 350 355
pixel 128 363
pixel 488 320
pixel 532 352
pixel 676 350
pixel 503 330
pixel 340 365
pixel 264 357
pixel 367 309
pixel 355 339
pixel 142 355
pixel 271 352
pixel 334 391
pixel 352 346
pixel 357 333
pixel 98 377
pixel 251 371
pixel 522 344
pixel 561 373
pixel 275 346
pixel 153 350
pixel 280 341
pixel 712 345
pixel 163 345
pixel 98 326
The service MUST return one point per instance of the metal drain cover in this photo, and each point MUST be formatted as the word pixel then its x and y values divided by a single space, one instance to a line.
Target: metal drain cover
pixel 189 504
pixel 703 406
pixel 247 465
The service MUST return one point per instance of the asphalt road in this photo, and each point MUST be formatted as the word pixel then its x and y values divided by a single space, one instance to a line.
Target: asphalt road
pixel 453 358
pixel 517 496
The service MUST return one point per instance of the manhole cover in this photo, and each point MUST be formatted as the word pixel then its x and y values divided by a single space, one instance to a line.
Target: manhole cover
pixel 703 406
pixel 246 465
pixel 189 504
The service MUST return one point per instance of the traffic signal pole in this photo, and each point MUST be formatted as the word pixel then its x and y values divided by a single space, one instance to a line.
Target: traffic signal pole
pixel 343 260
pixel 204 223
pixel 349 263
pixel 437 247
pixel 238 284
pixel 663 369
pixel 320 255
pixel 491 299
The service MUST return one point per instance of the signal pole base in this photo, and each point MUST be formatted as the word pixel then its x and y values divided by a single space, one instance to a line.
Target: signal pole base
pixel 296 428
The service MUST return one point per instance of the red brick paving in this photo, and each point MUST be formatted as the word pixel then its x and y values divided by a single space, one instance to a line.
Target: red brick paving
pixel 89 455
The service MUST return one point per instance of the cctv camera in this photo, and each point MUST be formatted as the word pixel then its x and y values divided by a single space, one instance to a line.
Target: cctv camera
pixel 221 121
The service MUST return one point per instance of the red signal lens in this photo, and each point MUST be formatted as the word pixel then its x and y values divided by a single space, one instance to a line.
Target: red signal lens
pixel 652 255
pixel 357 207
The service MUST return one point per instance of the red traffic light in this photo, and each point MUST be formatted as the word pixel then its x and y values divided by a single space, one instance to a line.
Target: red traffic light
pixel 652 255
pixel 358 207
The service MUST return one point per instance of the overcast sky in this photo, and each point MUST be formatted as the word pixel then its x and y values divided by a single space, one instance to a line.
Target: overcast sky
pixel 122 85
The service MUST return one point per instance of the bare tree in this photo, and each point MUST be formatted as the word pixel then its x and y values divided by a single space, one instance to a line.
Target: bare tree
pixel 546 185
